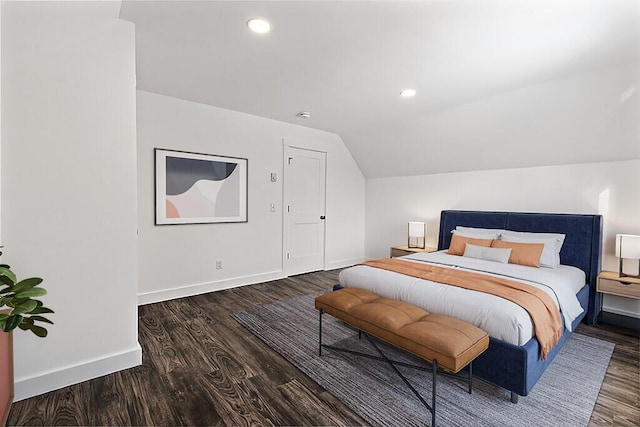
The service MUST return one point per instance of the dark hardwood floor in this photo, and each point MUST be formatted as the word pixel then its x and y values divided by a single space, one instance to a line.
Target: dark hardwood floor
pixel 202 368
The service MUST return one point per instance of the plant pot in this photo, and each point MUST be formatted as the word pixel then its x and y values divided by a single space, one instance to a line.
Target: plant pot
pixel 6 375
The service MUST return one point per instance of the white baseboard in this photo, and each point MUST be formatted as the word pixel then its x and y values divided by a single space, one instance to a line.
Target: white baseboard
pixel 203 288
pixel 332 265
pixel 54 380
pixel 616 310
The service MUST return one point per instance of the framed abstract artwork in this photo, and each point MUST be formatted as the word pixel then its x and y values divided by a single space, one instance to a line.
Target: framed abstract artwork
pixel 193 188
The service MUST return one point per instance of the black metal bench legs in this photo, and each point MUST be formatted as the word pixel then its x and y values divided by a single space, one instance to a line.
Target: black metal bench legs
pixel 394 364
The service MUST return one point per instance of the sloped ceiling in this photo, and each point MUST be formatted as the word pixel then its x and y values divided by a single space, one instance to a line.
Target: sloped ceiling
pixel 499 84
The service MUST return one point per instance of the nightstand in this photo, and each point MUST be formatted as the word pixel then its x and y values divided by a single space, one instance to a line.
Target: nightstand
pixel 406 250
pixel 610 282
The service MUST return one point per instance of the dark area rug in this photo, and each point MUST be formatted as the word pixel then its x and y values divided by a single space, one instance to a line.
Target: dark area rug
pixel 564 396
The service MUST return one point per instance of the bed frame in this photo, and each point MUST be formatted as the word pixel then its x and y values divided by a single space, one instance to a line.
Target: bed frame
pixel 518 368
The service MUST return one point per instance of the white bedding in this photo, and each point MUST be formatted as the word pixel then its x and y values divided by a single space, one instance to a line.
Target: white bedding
pixel 500 318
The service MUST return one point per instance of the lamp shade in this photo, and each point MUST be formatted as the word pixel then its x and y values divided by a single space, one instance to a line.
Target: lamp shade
pixel 627 246
pixel 417 233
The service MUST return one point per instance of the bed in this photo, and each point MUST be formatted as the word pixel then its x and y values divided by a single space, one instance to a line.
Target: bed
pixel 514 363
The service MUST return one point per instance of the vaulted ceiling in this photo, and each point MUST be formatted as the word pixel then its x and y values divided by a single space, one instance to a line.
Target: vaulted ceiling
pixel 499 83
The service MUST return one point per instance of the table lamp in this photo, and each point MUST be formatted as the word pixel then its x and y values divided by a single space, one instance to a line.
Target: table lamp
pixel 417 233
pixel 628 247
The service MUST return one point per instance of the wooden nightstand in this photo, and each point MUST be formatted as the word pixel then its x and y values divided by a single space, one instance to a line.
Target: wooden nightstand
pixel 610 282
pixel 406 250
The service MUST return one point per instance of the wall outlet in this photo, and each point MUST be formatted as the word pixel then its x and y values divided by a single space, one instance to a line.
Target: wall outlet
pixel 218 264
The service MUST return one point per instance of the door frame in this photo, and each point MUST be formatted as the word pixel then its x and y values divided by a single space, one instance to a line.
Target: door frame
pixel 285 230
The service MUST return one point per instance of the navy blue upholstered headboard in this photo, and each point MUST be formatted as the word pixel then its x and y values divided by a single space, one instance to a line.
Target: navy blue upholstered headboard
pixel 582 246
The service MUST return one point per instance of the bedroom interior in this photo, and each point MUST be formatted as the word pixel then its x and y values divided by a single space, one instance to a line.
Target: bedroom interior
pixel 547 122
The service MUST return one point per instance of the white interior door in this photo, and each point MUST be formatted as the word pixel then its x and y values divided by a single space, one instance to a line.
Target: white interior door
pixel 304 210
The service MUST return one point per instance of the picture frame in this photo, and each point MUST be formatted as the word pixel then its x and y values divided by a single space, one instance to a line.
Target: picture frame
pixel 196 188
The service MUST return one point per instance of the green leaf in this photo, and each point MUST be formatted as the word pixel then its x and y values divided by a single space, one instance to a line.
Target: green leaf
pixel 32 293
pixel 19 298
pixel 4 271
pixel 41 310
pixel 25 307
pixel 14 302
pixel 40 319
pixel 39 331
pixel 26 321
pixel 25 284
pixel 11 323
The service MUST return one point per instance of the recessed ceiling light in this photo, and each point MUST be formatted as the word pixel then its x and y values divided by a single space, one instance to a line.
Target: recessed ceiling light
pixel 304 115
pixel 408 93
pixel 259 25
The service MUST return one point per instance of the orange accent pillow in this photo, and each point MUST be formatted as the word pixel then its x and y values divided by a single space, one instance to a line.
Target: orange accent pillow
pixel 522 253
pixel 458 244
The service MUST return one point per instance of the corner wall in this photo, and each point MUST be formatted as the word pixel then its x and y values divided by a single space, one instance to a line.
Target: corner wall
pixel 69 185
pixel 611 189
pixel 179 260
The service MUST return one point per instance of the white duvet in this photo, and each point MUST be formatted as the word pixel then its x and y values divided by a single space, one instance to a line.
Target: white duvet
pixel 500 318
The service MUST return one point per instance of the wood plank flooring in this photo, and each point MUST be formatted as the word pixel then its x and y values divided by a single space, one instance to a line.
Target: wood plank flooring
pixel 202 368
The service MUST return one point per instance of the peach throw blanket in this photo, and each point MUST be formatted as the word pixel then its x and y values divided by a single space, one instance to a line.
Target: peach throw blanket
pixel 540 306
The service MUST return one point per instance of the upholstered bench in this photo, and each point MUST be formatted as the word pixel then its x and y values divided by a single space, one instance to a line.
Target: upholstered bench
pixel 444 342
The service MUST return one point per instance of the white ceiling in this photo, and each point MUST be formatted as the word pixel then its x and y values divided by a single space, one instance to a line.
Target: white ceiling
pixel 500 83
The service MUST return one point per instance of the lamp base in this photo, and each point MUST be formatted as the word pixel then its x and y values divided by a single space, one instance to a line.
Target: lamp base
pixel 622 274
pixel 416 242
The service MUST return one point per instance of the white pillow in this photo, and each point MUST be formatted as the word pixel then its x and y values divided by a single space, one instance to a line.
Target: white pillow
pixel 485 231
pixel 489 254
pixel 552 244
pixel 468 232
pixel 558 236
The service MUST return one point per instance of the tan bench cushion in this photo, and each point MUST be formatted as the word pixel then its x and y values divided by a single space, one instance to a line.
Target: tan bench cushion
pixel 452 342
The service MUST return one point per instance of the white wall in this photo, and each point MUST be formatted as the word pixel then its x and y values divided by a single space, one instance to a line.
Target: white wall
pixel 0 126
pixel 611 189
pixel 69 185
pixel 179 260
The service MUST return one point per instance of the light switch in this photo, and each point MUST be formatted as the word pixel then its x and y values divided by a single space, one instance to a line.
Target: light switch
pixel 274 177
pixel 272 207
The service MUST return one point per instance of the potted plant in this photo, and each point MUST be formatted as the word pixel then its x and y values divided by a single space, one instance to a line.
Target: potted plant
pixel 18 309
